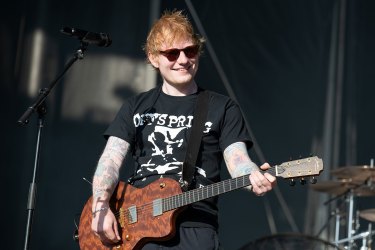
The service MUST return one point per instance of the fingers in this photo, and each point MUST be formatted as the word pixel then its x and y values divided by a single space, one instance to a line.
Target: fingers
pixel 271 179
pixel 117 234
pixel 109 236
pixel 104 225
pixel 265 166
pixel 262 183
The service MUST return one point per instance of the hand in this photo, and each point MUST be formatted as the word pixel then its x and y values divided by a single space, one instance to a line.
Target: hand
pixel 262 183
pixel 104 225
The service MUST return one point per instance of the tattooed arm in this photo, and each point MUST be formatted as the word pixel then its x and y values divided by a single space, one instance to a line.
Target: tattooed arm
pixel 239 163
pixel 104 182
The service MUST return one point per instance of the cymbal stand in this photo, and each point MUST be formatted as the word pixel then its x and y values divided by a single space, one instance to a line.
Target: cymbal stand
pixel 365 236
pixel 337 225
pixel 350 218
pixel 371 233
pixel 349 239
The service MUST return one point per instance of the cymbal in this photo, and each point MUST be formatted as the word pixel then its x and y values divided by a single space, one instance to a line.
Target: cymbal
pixel 361 173
pixel 368 214
pixel 336 187
pixel 364 190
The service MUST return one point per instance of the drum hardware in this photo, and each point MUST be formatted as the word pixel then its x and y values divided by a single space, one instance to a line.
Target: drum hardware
pixel 350 218
pixel 352 238
pixel 365 236
pixel 351 182
pixel 341 221
pixel 290 241
pixel 337 213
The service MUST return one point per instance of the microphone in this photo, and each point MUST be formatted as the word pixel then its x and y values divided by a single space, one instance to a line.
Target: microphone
pixel 99 39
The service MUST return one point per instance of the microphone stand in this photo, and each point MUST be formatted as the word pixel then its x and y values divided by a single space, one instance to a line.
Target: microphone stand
pixel 39 106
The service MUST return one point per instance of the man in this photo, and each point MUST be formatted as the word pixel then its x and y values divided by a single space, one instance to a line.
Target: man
pixel 154 125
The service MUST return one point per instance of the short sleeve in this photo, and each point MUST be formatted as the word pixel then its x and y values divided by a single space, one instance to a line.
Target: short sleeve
pixel 122 126
pixel 234 127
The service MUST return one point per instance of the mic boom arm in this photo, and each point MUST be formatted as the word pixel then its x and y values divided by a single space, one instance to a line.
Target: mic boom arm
pixel 99 39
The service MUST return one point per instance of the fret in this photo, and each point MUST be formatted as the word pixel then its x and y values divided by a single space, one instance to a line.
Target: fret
pixel 182 198
pixel 189 194
pixel 179 200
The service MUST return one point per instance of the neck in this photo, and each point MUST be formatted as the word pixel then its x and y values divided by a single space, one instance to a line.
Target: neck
pixel 179 90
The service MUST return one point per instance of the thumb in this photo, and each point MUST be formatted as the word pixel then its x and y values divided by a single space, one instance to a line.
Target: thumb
pixel 116 231
pixel 265 166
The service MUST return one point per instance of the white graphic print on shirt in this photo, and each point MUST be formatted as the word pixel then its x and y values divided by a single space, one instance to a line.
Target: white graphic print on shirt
pixel 165 139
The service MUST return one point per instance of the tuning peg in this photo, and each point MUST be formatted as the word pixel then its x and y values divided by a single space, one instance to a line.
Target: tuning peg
pixel 292 182
pixel 303 181
pixel 313 180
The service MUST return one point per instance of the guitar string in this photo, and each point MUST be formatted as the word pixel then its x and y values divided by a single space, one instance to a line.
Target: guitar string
pixel 224 184
pixel 171 202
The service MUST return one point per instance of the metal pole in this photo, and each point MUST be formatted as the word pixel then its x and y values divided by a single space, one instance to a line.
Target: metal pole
pixel 33 186
pixel 350 219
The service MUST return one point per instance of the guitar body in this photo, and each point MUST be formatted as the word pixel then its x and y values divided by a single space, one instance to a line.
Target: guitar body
pixel 136 230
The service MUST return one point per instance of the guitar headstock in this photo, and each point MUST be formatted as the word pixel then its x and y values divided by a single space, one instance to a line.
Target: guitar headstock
pixel 311 166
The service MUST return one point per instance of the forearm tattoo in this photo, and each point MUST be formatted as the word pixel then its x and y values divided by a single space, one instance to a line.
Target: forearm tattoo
pixel 238 161
pixel 108 168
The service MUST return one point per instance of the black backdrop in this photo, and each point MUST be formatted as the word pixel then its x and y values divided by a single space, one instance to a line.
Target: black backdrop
pixel 276 55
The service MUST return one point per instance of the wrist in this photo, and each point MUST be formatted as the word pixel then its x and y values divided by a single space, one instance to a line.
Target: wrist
pixel 104 208
pixel 98 203
pixel 247 168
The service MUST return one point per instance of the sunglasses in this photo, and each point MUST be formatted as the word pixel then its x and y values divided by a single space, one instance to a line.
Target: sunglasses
pixel 173 54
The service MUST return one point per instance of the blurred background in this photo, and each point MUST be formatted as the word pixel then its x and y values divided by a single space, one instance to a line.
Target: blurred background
pixel 302 72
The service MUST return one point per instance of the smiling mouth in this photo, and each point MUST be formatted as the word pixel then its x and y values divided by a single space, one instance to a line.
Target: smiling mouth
pixel 183 69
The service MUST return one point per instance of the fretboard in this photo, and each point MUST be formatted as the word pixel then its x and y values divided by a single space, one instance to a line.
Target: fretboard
pixel 209 191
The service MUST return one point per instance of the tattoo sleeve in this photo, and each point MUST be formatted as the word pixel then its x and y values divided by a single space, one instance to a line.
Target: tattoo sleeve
pixel 238 161
pixel 108 168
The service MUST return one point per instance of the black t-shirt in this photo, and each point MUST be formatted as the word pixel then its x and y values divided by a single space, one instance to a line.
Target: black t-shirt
pixel 157 127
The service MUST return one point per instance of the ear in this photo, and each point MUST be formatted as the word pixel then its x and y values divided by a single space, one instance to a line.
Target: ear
pixel 154 60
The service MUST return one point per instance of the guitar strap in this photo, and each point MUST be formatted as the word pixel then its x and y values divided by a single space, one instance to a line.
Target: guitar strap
pixel 195 138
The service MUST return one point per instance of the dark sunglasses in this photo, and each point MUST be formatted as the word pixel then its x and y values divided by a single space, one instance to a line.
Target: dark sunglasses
pixel 173 54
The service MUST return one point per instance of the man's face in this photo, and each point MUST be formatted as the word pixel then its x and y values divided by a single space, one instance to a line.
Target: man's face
pixel 179 71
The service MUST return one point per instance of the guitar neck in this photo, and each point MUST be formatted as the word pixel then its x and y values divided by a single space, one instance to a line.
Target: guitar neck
pixel 209 191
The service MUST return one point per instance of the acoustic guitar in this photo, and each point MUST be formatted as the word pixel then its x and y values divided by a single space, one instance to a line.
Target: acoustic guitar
pixel 149 213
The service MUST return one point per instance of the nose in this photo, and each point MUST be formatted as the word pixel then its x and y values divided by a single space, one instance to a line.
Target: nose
pixel 182 58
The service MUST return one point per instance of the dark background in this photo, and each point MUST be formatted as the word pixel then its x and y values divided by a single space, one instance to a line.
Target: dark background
pixel 302 72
